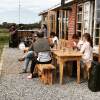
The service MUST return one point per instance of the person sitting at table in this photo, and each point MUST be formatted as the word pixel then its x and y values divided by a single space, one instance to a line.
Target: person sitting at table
pixel 42 53
pixel 53 40
pixel 76 42
pixel 44 29
pixel 72 43
pixel 28 56
pixel 80 41
pixel 87 50
pixel 75 39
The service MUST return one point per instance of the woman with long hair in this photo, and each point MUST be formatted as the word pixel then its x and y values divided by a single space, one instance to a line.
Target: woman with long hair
pixel 87 50
pixel 44 29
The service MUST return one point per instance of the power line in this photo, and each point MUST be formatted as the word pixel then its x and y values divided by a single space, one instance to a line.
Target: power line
pixel 19 11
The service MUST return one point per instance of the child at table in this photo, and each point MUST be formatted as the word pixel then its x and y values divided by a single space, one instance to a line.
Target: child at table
pixel 87 50
pixel 72 43
pixel 75 43
pixel 53 40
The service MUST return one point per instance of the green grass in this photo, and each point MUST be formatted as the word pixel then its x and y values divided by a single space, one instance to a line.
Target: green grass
pixel 5 31
pixel 4 38
pixel 4 35
pixel 1 48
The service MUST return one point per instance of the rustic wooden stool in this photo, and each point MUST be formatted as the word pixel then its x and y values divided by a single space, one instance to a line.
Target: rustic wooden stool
pixel 45 72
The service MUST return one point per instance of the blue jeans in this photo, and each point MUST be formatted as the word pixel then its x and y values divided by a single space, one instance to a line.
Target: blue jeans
pixel 28 57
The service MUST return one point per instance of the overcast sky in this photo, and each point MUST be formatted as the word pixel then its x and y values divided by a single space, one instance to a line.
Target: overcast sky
pixel 9 10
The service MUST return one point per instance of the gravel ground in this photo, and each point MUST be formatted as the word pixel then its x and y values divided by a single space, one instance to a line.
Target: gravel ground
pixel 15 86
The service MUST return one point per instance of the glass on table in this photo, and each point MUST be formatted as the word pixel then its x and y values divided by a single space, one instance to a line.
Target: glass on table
pixel 70 50
pixel 64 49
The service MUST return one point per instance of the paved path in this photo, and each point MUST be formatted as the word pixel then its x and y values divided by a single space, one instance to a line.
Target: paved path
pixel 15 86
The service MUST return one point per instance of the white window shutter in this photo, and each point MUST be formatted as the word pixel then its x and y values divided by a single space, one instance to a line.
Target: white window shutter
pixel 97 11
pixel 86 19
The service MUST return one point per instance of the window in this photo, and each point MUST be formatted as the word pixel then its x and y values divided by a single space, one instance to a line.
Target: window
pixel 83 18
pixel 63 24
pixel 86 20
pixel 79 19
pixel 97 32
pixel 97 22
pixel 52 23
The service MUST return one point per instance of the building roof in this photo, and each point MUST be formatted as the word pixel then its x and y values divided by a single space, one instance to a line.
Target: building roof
pixel 43 12
pixel 54 7
pixel 59 5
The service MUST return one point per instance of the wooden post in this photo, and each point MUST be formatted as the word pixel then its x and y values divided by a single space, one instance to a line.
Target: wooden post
pixel 65 26
pixel 55 21
pixel 61 22
pixel 99 47
pixel 48 22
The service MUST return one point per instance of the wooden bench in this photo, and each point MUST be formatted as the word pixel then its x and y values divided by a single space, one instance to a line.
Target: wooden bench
pixel 45 73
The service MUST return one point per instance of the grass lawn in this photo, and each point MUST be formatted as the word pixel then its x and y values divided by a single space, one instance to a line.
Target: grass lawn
pixel 4 38
pixel 1 48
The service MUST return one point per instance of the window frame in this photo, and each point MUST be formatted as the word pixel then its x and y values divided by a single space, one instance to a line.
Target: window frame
pixel 95 27
pixel 80 22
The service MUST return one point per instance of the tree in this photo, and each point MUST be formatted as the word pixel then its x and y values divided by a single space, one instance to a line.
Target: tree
pixel 5 24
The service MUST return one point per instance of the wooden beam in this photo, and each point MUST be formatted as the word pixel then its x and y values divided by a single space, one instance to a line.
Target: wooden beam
pixel 65 24
pixel 61 22
pixel 55 21
pixel 48 22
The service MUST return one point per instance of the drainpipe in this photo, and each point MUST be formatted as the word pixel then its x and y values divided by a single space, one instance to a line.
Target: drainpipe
pixel 62 3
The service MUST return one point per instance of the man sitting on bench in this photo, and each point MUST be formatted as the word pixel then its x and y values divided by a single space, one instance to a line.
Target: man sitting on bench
pixel 42 53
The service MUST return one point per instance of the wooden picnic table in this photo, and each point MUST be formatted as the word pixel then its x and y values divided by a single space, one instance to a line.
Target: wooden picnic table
pixel 62 56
